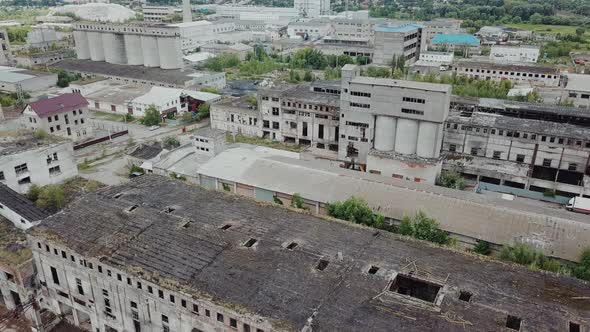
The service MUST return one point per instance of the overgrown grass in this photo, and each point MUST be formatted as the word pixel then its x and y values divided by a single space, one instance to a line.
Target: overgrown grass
pixel 13 244
pixel 548 29
pixel 112 116
pixel 264 142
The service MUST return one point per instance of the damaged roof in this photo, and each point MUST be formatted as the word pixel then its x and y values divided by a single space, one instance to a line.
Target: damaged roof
pixel 21 205
pixel 186 243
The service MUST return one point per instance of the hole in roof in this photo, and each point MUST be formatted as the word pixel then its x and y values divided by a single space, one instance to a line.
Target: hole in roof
pixel 322 264
pixel 420 289
pixel 373 269
pixel 169 209
pixel 131 208
pixel 250 243
pixel 292 245
pixel 187 224
pixel 465 296
pixel 513 323
pixel 225 227
pixel 118 195
pixel 574 327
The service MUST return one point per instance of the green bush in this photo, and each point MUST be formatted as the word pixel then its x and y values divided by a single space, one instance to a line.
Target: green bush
pixel 277 200
pixel 521 253
pixel 355 210
pixel 135 169
pixel 170 142
pixel 549 193
pixel 297 201
pixel 51 197
pixel 33 193
pixel 422 227
pixel 41 134
pixel 482 247
pixel 451 179
pixel 226 187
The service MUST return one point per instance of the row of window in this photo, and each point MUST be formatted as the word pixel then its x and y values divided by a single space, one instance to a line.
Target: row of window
pixel 360 105
pixel 509 73
pixel 309 106
pixel 107 303
pixel 414 100
pixel 517 134
pixel 360 94
pixel 411 111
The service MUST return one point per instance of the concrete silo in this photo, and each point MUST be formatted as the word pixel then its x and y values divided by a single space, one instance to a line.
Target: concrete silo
pixel 134 50
pixel 95 45
pixel 427 139
pixel 114 48
pixel 406 136
pixel 385 128
pixel 82 47
pixel 169 52
pixel 151 56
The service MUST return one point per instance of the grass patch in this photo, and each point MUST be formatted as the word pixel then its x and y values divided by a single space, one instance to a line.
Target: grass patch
pixel 264 142
pixel 548 29
pixel 13 244
pixel 110 116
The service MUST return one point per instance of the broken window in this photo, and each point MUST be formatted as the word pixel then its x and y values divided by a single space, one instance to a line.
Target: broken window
pixel 465 296
pixel 513 322
pixel 452 147
pixel 497 154
pixel 547 162
pixel 413 287
pixel 54 275
pixel 219 317
pixel 322 264
pixel 520 158
pixel 250 243
pixel 233 323
pixel 373 269
pixel 574 327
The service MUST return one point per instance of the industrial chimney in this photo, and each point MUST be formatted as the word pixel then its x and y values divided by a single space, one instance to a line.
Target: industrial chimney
pixel 187 13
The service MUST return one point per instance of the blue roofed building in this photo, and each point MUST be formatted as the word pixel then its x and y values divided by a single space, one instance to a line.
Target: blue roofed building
pixel 451 42
pixel 400 40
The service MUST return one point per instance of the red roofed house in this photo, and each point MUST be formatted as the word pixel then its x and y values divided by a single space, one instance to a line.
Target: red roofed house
pixel 65 115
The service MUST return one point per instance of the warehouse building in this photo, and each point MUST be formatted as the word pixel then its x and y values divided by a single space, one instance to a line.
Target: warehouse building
pixel 114 278
pixel 12 78
pixel 577 89
pixel 536 75
pixel 401 41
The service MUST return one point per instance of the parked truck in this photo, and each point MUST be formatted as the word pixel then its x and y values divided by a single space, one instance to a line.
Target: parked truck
pixel 579 204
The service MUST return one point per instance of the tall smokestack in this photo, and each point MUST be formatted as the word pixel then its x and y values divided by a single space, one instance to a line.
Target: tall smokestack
pixel 187 13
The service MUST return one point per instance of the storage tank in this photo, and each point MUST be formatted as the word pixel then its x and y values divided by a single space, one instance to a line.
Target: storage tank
pixel 149 46
pixel 114 48
pixel 82 47
pixel 385 132
pixel 427 135
pixel 95 45
pixel 169 49
pixel 133 50
pixel 406 136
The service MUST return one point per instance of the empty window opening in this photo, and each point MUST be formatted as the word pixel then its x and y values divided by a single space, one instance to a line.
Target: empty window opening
pixel 419 289
pixel 292 245
pixel 465 296
pixel 131 208
pixel 226 227
pixel 373 269
pixel 250 243
pixel 322 264
pixel 513 323
pixel 574 327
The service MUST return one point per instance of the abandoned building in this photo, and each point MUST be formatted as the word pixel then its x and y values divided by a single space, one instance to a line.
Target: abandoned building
pixel 166 256
pixel 392 127
pixel 521 145
pixel 306 115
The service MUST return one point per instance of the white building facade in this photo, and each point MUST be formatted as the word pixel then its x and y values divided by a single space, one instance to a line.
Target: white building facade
pixel 514 54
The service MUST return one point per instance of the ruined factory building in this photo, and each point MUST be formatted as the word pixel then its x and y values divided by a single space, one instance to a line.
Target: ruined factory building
pixel 240 260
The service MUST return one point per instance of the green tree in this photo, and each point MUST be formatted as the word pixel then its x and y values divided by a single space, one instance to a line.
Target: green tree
pixel 297 201
pixel 203 111
pixel 355 210
pixel 252 101
pixel 582 270
pixel 482 247
pixel 580 31
pixel 277 200
pixel 151 117
pixel 33 193
pixel 536 18
pixel 308 76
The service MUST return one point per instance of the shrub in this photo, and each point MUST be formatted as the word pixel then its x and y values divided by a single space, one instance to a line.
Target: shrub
pixel 482 247
pixel 92 186
pixel 41 134
pixel 422 227
pixel 135 169
pixel 51 197
pixel 355 210
pixel 170 142
pixel 151 117
pixel 33 193
pixel 549 193
pixel 521 253
pixel 297 201
pixel 277 200
pixel 451 179
pixel 226 187
pixel 128 117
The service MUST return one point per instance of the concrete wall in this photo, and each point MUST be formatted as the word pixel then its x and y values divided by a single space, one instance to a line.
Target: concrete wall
pixel 38 167
pixel 38 83
pixel 75 127
pixel 245 124
pixel 18 221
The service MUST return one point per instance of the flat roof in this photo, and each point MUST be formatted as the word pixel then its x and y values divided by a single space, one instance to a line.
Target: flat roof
pixel 398 28
pixel 445 88
pixel 508 67
pixel 455 38
pixel 21 205
pixel 139 73
pixel 188 246
pixel 14 142
pixel 578 82
pixel 118 93
pixel 15 75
